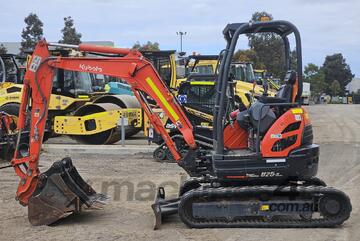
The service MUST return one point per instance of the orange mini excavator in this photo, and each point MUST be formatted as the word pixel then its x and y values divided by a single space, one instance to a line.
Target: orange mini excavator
pixel 260 173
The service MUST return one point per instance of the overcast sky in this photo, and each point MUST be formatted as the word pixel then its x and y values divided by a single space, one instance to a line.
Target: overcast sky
pixel 327 26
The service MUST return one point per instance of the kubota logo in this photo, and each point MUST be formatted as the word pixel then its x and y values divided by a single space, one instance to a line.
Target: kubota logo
pixel 87 67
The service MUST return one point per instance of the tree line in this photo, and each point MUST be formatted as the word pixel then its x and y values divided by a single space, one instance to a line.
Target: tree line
pixel 266 52
pixel 33 32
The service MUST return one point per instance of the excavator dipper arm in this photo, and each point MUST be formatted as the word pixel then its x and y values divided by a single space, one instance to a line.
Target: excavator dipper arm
pixel 131 67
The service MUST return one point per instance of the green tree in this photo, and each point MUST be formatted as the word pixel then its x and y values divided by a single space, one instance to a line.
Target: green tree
pixel 3 71
pixel 269 48
pixel 335 88
pixel 149 46
pixel 70 35
pixel 3 50
pixel 316 77
pixel 336 68
pixel 32 33
pixel 248 55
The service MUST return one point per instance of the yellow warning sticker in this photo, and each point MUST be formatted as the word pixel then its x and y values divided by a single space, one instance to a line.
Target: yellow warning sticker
pixel 297 110
pixel 265 207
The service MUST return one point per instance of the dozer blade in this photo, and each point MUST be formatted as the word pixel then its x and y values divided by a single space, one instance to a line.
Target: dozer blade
pixel 163 208
pixel 61 191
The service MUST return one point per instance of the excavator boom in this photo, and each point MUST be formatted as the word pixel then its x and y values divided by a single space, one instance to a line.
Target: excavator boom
pixel 127 64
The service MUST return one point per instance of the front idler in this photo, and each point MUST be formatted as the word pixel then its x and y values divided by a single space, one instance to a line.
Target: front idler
pixel 60 192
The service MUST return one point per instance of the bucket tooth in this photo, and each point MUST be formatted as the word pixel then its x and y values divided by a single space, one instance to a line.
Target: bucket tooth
pixel 61 191
pixel 71 169
pixel 86 193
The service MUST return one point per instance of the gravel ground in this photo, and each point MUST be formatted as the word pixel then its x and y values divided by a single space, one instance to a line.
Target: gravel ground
pixel 131 181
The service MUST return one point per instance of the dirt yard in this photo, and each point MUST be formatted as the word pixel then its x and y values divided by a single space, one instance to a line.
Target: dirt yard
pixel 131 181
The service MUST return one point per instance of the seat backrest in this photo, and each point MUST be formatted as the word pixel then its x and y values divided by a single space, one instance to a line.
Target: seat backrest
pixel 289 89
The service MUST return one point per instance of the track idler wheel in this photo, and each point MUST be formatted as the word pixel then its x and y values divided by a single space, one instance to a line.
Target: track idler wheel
pixel 160 153
pixel 330 206
pixel 61 191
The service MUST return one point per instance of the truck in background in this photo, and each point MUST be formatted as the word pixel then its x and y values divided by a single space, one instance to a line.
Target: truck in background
pixel 306 93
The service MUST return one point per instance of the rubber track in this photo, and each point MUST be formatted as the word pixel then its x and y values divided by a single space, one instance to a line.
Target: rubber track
pixel 260 222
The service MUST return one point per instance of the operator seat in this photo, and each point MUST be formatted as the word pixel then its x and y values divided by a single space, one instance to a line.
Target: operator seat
pixel 261 116
pixel 286 92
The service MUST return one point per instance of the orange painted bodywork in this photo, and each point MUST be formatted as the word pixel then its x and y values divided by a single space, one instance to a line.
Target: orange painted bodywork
pixel 277 129
pixel 131 67
pixel 235 137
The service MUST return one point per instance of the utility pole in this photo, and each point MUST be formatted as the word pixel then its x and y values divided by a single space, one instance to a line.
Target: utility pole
pixel 181 34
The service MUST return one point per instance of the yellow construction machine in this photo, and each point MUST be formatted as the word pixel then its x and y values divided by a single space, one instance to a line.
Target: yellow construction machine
pixel 74 108
pixel 195 90
pixel 262 74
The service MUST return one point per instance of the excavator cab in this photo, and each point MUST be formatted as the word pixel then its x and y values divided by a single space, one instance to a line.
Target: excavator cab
pixel 163 61
pixel 243 71
pixel 10 70
pixel 201 64
pixel 72 84
pixel 197 96
pixel 196 65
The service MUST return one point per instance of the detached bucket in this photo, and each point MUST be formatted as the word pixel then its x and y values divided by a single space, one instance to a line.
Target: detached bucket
pixel 61 191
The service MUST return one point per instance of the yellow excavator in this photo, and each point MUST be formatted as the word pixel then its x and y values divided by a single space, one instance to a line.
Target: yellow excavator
pixel 262 74
pixel 243 72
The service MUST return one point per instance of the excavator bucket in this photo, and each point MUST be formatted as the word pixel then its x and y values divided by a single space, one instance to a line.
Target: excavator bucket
pixel 61 191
